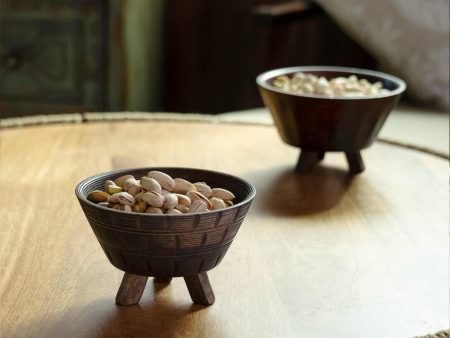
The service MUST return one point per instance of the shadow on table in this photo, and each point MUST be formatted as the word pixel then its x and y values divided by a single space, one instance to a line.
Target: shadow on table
pixel 160 315
pixel 282 191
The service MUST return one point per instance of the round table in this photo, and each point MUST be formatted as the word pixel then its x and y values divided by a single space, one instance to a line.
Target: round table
pixel 324 254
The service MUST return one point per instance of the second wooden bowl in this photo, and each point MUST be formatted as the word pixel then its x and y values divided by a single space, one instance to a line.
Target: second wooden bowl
pixel 318 124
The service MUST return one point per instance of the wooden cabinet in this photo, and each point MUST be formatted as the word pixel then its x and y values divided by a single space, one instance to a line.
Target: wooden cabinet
pixel 76 55
pixel 52 56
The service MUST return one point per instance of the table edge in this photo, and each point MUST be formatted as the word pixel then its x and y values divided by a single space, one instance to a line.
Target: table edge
pixel 88 117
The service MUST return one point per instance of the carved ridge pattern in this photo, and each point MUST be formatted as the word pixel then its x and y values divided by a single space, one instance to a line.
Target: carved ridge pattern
pixel 219 258
pixel 162 265
pixel 204 238
pixel 149 266
pixel 123 259
pixel 108 254
pixel 200 267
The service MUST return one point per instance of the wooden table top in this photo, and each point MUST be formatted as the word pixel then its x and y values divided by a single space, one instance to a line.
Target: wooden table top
pixel 319 255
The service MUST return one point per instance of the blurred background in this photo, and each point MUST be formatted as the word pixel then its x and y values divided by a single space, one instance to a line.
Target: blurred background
pixel 63 56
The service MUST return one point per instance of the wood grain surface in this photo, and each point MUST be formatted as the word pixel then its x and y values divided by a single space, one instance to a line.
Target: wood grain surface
pixel 325 254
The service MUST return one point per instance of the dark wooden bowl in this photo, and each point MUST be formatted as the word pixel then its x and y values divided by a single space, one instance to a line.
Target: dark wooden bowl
pixel 167 245
pixel 317 124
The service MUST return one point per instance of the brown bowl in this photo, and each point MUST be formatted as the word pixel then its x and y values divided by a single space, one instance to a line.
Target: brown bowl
pixel 317 124
pixel 166 245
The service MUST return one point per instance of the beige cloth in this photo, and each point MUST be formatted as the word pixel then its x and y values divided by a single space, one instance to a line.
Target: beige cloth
pixel 410 38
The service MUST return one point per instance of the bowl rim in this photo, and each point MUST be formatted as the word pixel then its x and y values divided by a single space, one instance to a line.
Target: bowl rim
pixel 262 81
pixel 80 196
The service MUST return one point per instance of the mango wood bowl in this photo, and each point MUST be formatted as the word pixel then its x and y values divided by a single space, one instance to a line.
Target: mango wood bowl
pixel 317 124
pixel 166 246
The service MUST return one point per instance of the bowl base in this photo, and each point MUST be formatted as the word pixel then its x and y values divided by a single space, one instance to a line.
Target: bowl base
pixel 132 288
pixel 309 158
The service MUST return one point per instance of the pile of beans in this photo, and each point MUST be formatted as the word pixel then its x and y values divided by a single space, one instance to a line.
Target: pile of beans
pixel 301 83
pixel 158 193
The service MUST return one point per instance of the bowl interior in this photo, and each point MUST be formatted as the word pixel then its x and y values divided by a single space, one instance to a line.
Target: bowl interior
pixel 393 84
pixel 242 190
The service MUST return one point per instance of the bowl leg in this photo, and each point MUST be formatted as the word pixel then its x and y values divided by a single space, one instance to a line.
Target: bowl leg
pixel 307 160
pixel 131 289
pixel 200 289
pixel 355 162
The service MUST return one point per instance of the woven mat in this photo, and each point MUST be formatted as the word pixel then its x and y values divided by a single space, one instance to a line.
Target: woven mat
pixel 440 334
pixel 145 116
pixel 104 116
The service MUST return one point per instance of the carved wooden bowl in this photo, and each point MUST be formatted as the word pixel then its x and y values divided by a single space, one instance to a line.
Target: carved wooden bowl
pixel 317 124
pixel 166 246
